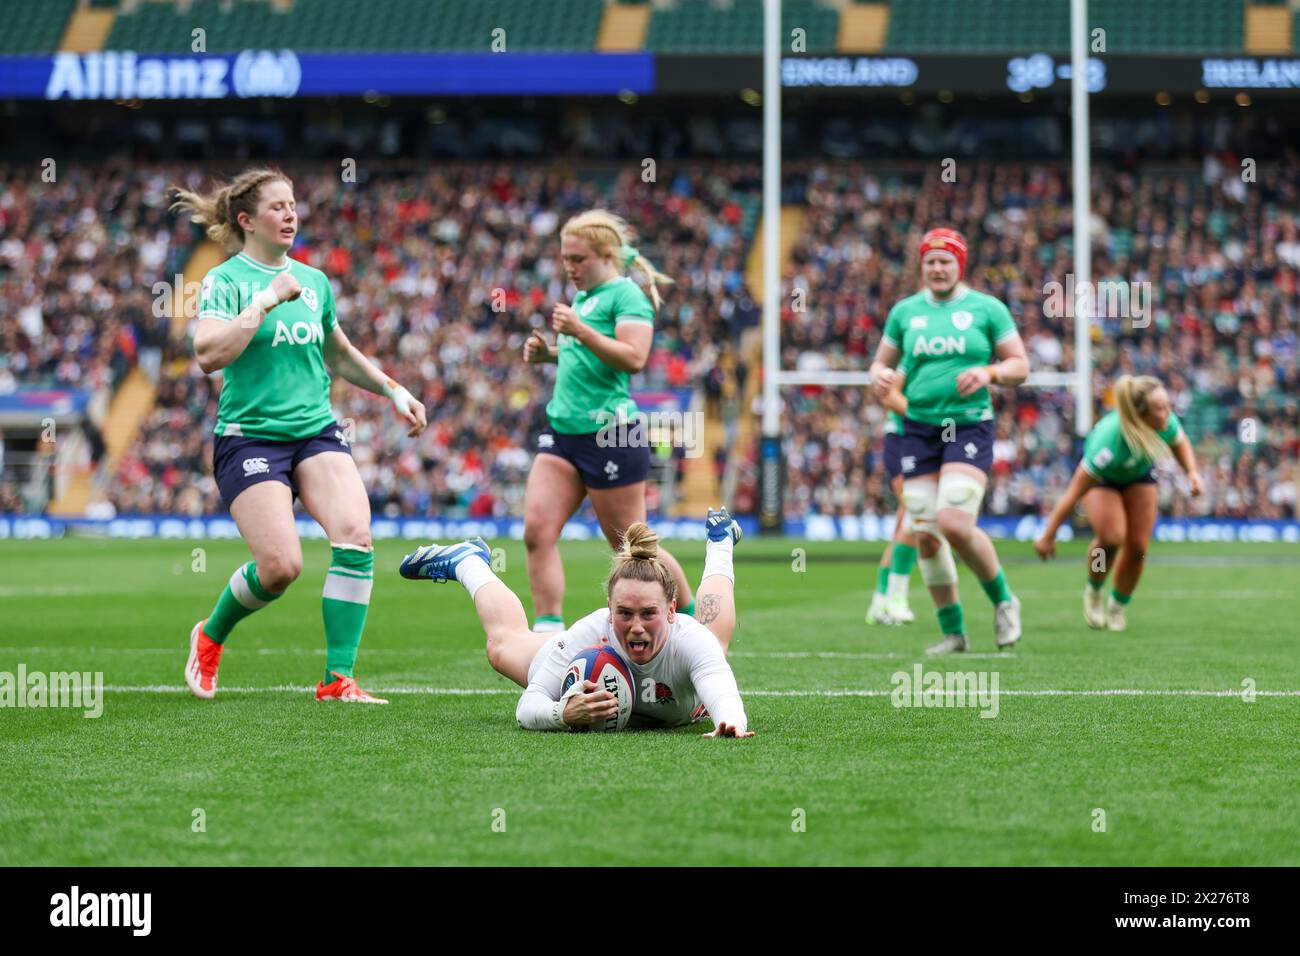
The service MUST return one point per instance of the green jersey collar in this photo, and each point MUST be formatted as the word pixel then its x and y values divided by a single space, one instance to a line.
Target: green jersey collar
pixel 593 291
pixel 959 292
pixel 270 270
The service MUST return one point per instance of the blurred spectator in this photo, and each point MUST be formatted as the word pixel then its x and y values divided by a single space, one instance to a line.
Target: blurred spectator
pixel 1221 264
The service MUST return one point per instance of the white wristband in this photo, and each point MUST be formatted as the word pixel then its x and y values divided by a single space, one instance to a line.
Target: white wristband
pixel 399 396
pixel 266 300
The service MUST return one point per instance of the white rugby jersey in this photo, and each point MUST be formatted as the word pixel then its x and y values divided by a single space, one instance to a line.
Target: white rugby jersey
pixel 691 670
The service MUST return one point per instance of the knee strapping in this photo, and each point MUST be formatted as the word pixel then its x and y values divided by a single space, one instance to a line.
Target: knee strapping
pixel 960 492
pixel 939 569
pixel 920 498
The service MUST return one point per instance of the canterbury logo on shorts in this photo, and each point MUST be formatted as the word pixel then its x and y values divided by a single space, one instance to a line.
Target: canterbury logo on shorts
pixel 545 441
pixel 255 466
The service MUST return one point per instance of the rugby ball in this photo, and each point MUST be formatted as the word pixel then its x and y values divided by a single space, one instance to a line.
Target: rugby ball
pixel 606 668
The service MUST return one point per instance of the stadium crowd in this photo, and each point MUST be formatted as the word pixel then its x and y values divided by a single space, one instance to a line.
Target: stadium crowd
pixel 440 272
pixel 81 248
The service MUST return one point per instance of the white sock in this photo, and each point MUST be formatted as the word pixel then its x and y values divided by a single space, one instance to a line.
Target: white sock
pixel 473 573
pixel 898 584
pixel 548 627
pixel 717 559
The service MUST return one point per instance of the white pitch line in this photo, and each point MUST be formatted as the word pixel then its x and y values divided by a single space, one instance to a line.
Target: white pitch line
pixel 477 654
pixel 1247 595
pixel 1103 692
pixel 497 691
pixel 859 656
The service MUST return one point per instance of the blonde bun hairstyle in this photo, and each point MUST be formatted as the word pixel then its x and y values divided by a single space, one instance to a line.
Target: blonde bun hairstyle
pixel 637 559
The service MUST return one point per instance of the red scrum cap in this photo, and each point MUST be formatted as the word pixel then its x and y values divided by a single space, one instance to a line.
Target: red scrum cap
pixel 949 241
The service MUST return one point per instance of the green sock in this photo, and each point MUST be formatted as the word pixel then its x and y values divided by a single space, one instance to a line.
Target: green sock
pixel 243 595
pixel 996 587
pixel 950 619
pixel 1120 598
pixel 904 559
pixel 344 604
pixel 882 581
pixel 689 609
pixel 1096 585
pixel 548 619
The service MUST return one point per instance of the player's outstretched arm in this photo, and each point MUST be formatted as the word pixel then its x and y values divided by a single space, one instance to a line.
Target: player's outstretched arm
pixel 346 359
pixel 715 684
pixel 1187 459
pixel 1079 485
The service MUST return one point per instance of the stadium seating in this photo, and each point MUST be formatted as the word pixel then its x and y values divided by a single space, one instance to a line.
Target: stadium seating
pixel 34 27
pixel 333 25
pixel 708 26
pixel 684 26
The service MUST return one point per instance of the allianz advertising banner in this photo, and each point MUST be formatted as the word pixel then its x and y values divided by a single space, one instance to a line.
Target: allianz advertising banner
pixel 123 74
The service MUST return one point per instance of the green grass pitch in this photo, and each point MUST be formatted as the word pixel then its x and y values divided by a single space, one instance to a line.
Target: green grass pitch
pixel 1183 779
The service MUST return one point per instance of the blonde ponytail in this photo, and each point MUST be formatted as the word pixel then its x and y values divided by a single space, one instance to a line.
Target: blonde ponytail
pixel 609 237
pixel 219 208
pixel 638 560
pixel 1132 395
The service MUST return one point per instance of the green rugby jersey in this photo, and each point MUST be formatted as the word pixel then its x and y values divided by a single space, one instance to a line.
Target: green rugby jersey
pixel 588 393
pixel 939 341
pixel 1107 457
pixel 279 387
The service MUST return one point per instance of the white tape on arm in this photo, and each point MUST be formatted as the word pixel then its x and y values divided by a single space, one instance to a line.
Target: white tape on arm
pixel 399 396
pixel 266 300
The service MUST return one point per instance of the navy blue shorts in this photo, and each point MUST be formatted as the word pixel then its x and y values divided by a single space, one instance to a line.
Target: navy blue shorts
pixel 609 467
pixel 1148 479
pixel 893 455
pixel 923 451
pixel 239 462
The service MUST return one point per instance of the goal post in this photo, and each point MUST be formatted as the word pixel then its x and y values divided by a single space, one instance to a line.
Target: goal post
pixel 771 464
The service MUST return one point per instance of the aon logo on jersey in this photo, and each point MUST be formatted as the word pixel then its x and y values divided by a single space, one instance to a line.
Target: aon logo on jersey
pixel 940 345
pixel 300 333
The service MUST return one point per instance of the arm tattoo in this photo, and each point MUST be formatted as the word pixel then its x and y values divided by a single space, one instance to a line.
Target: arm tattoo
pixel 707 608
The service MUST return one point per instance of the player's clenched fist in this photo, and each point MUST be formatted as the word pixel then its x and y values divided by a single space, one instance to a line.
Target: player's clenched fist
pixel 592 706
pixel 565 321
pixel 883 380
pixel 285 287
pixel 536 350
